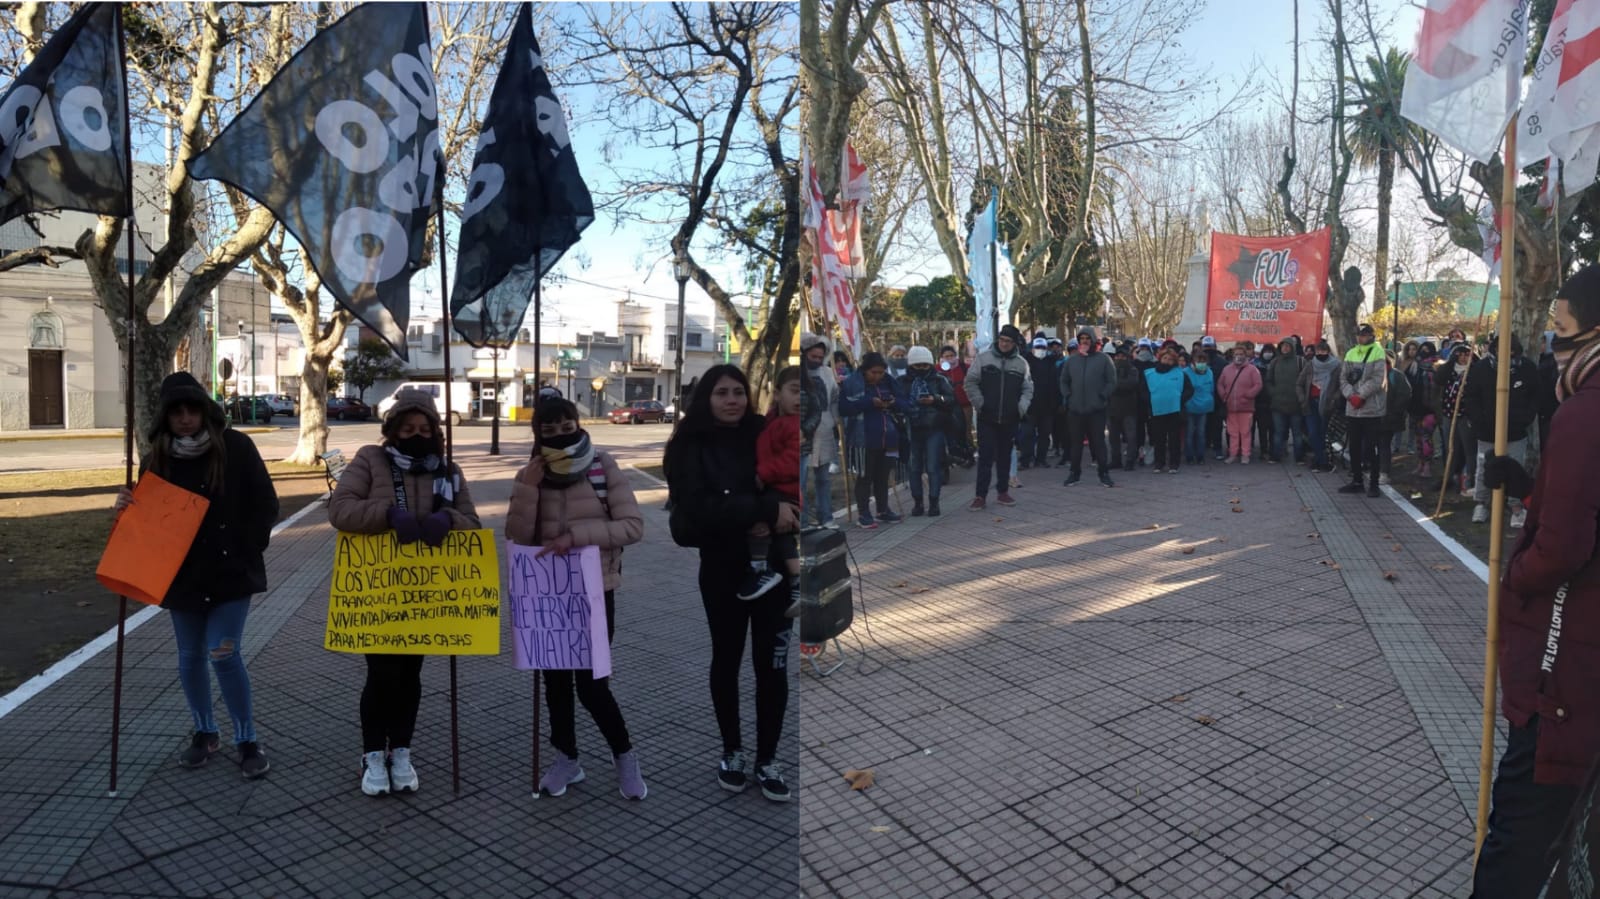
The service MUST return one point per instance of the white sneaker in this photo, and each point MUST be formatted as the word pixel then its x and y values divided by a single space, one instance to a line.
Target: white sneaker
pixel 402 776
pixel 1480 513
pixel 1383 479
pixel 375 774
pixel 1519 518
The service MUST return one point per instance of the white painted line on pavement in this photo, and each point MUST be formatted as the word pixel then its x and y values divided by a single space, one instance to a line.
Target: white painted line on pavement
pixel 39 682
pixel 1462 554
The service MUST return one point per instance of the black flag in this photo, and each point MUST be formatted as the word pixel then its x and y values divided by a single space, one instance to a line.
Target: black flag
pixel 63 123
pixel 343 147
pixel 526 202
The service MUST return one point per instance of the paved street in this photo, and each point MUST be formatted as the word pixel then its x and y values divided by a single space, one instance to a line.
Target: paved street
pixel 1191 685
pixel 306 830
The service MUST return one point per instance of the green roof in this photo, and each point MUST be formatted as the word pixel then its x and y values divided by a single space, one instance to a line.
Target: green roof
pixel 1468 295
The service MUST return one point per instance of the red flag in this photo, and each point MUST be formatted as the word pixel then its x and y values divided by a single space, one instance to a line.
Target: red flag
pixel 1265 288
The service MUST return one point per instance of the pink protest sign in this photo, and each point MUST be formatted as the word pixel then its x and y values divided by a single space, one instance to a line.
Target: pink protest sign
pixel 558 610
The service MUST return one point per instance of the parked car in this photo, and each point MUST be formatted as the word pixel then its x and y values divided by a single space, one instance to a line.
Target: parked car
pixel 348 408
pixel 638 412
pixel 672 413
pixel 461 398
pixel 248 409
pixel 283 404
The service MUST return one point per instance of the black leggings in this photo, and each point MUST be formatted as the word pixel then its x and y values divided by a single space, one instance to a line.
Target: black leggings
pixel 595 696
pixel 389 701
pixel 730 619
pixel 1166 434
pixel 873 483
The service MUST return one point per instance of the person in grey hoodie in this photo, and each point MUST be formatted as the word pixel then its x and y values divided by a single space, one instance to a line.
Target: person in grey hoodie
pixel 1323 366
pixel 1363 382
pixel 1000 386
pixel 1088 379
pixel 822 450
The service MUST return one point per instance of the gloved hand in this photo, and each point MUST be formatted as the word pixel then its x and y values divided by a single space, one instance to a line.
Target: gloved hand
pixel 405 525
pixel 1505 471
pixel 435 527
pixel 1356 401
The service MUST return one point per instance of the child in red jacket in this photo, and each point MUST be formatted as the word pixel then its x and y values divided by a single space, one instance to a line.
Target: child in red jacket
pixel 778 466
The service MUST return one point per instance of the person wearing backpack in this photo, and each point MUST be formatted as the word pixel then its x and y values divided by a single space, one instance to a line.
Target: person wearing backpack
pixel 570 495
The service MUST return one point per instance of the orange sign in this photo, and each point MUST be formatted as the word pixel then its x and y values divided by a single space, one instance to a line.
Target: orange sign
pixel 1267 288
pixel 151 539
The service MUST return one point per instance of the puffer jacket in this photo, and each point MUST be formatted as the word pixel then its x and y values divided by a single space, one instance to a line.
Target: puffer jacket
pixel 1000 387
pixel 361 502
pixel 1087 381
pixel 1238 386
pixel 924 418
pixel 778 455
pixel 1125 397
pixel 225 562
pixel 866 425
pixel 541 512
pixel 1289 383
pixel 1370 368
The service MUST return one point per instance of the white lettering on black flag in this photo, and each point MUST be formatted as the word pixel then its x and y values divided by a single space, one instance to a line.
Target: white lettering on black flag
pixel 63 135
pixel 343 147
pixel 526 201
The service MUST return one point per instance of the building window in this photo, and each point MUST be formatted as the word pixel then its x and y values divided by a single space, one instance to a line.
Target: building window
pixel 694 340
pixel 672 342
pixel 45 331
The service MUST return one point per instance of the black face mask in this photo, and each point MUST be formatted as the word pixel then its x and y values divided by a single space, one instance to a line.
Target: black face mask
pixel 561 441
pixel 416 446
pixel 1323 356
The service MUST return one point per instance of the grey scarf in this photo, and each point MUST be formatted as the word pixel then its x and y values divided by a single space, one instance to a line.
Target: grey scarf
pixel 192 447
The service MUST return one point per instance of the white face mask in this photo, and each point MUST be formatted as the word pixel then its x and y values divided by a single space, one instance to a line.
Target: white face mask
pixel 944 364
pixel 1038 353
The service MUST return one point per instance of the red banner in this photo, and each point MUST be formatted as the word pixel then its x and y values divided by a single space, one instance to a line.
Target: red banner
pixel 1266 288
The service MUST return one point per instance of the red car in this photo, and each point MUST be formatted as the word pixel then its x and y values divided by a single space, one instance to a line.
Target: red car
pixel 638 412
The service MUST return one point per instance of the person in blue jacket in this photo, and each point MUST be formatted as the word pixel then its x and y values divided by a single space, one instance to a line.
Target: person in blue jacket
pixel 873 404
pixel 1166 390
pixel 1198 408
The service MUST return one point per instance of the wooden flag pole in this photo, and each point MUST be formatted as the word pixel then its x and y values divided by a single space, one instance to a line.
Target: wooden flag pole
pixel 128 420
pixel 449 459
pixel 1450 444
pixel 1497 534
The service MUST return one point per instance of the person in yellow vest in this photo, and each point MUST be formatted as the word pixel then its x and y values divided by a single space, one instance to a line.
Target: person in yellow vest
pixel 1363 382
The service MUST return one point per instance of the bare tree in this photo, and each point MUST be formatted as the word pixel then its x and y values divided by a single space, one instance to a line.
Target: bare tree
pixel 1152 225
pixel 828 57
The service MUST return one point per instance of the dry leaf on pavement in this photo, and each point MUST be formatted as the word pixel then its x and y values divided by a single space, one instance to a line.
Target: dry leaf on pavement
pixel 1441 567
pixel 1181 697
pixel 1238 508
pixel 880 828
pixel 859 780
pixel 920 590
pixel 1395 548
pixel 1188 550
pixel 899 584
pixel 1390 576
pixel 1207 720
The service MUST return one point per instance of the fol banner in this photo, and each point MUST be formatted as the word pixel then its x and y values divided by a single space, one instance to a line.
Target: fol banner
pixel 1266 288
pixel 558 610
pixel 412 598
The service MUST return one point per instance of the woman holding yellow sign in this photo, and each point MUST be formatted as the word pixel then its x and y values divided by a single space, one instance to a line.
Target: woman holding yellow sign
pixel 404 485
pixel 192 448
pixel 570 495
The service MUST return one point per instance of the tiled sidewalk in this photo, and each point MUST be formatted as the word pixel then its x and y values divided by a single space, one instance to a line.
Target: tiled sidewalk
pixel 306 830
pixel 1191 685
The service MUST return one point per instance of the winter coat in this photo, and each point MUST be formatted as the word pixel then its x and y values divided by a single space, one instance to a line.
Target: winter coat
pixel 1125 398
pixel 1549 373
pixel 1445 378
pixel 1087 382
pixel 778 455
pixel 1046 375
pixel 1288 383
pixel 541 512
pixel 1204 400
pixel 1322 376
pixel 225 562
pixel 1000 387
pixel 1238 386
pixel 958 379
pixel 1371 369
pixel 1165 392
pixel 1399 402
pixel 1479 402
pixel 823 437
pixel 1263 404
pixel 712 483
pixel 1332 404
pixel 361 502
pixel 924 419
pixel 1558 547
pixel 867 426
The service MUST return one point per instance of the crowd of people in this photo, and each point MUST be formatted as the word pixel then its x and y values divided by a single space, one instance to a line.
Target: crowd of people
pixel 1143 403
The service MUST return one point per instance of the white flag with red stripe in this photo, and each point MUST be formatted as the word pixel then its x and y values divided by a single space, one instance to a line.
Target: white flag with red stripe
pixel 1464 80
pixel 1533 129
pixel 1548 185
pixel 1489 230
pixel 854 184
pixel 831 267
pixel 1574 119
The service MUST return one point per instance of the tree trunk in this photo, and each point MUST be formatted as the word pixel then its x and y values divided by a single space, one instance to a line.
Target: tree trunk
pixel 1385 197
pixel 313 410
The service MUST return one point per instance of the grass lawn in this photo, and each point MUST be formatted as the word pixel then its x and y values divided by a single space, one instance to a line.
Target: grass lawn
pixel 53 526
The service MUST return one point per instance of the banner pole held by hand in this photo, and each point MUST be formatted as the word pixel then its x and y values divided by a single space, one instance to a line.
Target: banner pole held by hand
pixel 449 460
pixel 536 733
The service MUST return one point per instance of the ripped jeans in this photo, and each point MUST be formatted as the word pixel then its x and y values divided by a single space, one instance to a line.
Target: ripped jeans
pixel 214 635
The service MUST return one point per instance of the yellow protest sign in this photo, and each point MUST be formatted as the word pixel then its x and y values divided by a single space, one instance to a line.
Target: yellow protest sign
pixel 392 597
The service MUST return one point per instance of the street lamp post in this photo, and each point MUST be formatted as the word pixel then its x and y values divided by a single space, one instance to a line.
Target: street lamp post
pixel 680 269
pixel 494 422
pixel 1396 303
pixel 252 358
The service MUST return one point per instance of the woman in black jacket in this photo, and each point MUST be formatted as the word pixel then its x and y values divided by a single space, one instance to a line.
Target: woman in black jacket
pixel 191 447
pixel 717 503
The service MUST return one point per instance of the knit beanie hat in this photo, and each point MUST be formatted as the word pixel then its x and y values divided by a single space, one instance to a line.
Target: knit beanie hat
pixel 1011 332
pixel 1582 293
pixel 919 355
pixel 809 340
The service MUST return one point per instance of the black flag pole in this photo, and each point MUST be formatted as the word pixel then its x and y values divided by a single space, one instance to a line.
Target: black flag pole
pixel 538 303
pixel 449 459
pixel 128 421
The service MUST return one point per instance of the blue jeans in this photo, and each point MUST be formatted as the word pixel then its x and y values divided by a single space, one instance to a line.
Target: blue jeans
pixel 215 634
pixel 1194 439
pixel 1317 433
pixel 815 492
pixel 927 458
pixel 1292 422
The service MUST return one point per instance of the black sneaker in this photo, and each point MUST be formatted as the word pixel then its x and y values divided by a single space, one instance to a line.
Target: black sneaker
pixel 916 509
pixel 758 583
pixel 1352 487
pixel 200 749
pixel 730 772
pixel 1071 479
pixel 771 780
pixel 793 611
pixel 251 761
pixel 1373 491
pixel 933 508
pixel 1105 478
